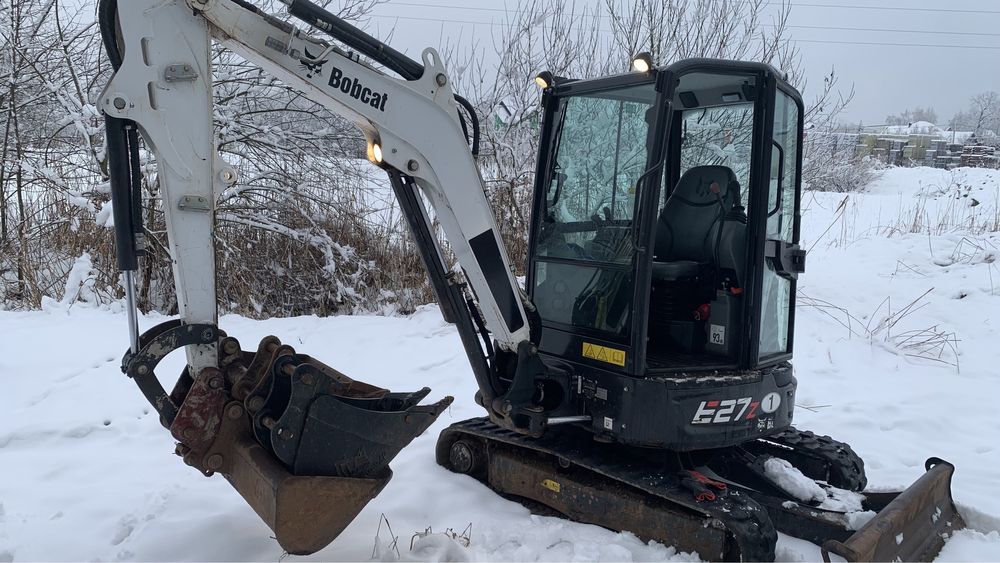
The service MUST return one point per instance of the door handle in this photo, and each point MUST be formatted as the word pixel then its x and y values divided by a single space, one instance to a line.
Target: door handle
pixel 788 260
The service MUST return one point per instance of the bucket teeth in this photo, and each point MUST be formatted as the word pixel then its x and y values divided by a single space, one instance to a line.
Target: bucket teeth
pixel 326 429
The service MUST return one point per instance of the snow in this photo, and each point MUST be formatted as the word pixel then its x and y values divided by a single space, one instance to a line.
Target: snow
pixel 971 545
pixel 789 479
pixel 856 520
pixel 842 501
pixel 89 474
pixel 106 217
pixel 79 281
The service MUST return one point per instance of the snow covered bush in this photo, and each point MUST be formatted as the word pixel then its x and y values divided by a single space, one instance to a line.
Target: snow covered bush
pixel 830 164
pixel 80 281
pixel 305 230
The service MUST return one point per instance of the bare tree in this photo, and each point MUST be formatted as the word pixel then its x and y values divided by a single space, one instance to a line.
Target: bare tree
pixel 983 114
pixel 49 122
pixel 567 40
pixel 301 232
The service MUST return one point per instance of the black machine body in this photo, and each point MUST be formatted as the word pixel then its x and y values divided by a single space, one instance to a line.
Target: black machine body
pixel 665 313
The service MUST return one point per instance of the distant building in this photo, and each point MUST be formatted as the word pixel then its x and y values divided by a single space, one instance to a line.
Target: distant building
pixel 925 144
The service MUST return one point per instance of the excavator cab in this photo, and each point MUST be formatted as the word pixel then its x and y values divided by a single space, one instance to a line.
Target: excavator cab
pixel 664 230
pixel 665 248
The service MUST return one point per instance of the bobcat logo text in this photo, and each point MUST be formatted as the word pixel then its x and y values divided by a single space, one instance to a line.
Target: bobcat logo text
pixel 355 89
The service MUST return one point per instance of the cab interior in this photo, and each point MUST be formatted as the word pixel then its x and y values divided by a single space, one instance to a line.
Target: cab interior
pixel 697 154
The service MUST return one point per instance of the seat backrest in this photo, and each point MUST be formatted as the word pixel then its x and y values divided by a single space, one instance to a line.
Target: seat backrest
pixel 688 224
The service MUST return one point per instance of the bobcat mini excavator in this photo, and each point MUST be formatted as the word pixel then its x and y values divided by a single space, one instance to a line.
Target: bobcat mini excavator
pixel 641 381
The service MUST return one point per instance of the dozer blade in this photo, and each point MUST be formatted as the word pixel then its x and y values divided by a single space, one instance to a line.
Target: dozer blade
pixel 306 446
pixel 912 527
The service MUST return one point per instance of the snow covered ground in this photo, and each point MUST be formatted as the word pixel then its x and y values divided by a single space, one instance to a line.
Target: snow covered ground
pixel 87 473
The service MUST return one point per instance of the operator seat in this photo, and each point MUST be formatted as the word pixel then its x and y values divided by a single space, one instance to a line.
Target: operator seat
pixel 688 226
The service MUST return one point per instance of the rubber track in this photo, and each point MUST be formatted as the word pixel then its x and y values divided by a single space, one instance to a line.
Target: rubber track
pixel 742 516
pixel 845 469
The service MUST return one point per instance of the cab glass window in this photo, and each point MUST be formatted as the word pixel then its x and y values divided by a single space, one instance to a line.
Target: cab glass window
pixel 582 275
pixel 600 155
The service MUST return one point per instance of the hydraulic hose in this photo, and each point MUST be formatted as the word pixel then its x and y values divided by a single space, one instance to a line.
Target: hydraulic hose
pixel 371 47
pixel 107 13
pixel 124 171
pixel 355 38
pixel 124 174
pixel 475 122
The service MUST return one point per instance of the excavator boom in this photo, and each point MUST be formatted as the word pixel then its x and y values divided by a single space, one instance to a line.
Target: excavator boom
pixel 282 427
pixel 163 85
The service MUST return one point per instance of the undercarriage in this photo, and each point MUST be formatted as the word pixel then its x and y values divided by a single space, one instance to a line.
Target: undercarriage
pixel 723 504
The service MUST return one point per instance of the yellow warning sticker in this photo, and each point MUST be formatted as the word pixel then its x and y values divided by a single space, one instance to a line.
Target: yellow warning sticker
pixel 551 485
pixel 604 354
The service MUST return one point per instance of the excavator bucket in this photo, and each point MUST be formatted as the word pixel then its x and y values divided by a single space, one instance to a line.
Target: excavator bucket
pixel 305 513
pixel 306 446
pixel 913 526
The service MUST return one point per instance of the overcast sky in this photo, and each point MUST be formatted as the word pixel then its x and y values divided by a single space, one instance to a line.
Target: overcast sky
pixel 942 52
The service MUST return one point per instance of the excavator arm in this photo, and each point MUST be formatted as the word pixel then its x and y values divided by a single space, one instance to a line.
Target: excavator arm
pixel 290 433
pixel 412 125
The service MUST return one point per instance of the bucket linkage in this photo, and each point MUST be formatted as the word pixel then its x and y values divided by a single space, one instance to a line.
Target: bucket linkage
pixel 306 446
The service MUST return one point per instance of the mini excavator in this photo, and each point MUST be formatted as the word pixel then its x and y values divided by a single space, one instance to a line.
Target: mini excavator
pixel 641 380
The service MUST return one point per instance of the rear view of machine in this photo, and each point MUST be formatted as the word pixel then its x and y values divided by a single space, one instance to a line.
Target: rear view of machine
pixel 642 380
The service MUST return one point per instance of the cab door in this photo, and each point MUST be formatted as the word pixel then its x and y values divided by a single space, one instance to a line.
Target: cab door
pixel 777 250
pixel 582 253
